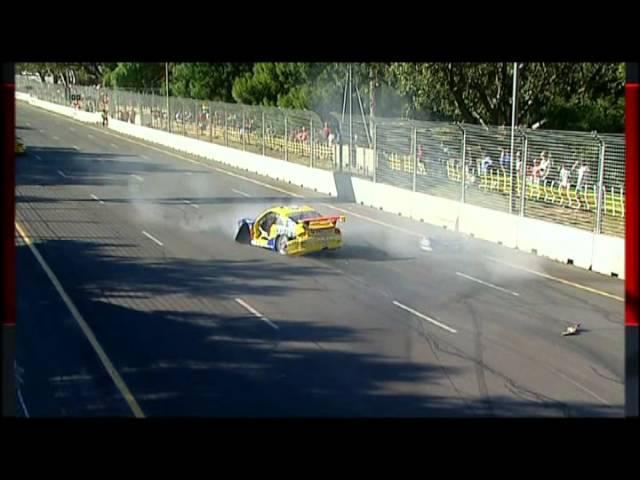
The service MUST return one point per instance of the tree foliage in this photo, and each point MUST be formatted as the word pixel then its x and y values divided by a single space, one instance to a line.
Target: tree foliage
pixel 583 96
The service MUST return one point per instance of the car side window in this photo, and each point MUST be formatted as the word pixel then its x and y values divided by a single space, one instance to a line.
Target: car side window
pixel 267 221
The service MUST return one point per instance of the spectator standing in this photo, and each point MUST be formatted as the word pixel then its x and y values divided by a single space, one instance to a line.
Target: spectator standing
pixel 326 131
pixel 564 176
pixel 485 164
pixel 581 173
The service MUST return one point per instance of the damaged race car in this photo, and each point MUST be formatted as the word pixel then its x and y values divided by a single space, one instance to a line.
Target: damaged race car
pixel 291 230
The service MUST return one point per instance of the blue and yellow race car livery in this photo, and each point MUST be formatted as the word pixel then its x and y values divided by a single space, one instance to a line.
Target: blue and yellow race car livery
pixel 291 230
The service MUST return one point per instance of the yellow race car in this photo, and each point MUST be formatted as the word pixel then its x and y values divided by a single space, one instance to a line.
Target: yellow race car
pixel 20 148
pixel 291 230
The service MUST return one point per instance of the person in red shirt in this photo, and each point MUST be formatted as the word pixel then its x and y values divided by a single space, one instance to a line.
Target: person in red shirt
pixel 326 131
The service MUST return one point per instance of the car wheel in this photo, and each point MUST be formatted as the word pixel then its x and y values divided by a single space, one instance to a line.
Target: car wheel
pixel 281 244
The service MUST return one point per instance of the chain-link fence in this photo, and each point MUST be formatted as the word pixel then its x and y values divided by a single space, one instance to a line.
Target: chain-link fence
pixel 571 178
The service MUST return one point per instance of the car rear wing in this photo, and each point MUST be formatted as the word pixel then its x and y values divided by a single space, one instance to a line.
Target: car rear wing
pixel 323 222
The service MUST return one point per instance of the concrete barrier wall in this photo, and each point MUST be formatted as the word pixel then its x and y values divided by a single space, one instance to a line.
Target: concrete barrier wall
pixel 608 255
pixel 301 175
pixel 601 253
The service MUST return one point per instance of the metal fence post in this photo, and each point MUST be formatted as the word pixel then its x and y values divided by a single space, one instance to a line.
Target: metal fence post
pixel 226 125
pixel 463 194
pixel 286 140
pixel 210 120
pixel 311 142
pixel 523 166
pixel 243 130
pixel 598 228
pixel 415 156
pixel 184 126
pixel 375 151
pixel 263 135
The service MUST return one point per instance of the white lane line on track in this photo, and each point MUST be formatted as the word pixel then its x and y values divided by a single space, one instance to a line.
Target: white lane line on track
pixel 38 157
pixel 96 198
pixel 560 280
pixel 24 407
pixel 188 173
pixel 41 131
pixel 56 138
pixel 28 124
pixel 76 148
pixel 190 204
pixel 138 177
pixel 240 193
pixel 487 284
pixel 424 317
pixel 90 136
pixel 176 155
pixel 72 129
pixel 256 313
pixel 114 145
pixel 581 387
pixel 61 173
pixel 152 238
pixel 106 362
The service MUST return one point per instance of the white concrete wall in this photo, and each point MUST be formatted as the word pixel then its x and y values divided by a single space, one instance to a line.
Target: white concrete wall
pixel 601 253
pixel 301 175
pixel 608 255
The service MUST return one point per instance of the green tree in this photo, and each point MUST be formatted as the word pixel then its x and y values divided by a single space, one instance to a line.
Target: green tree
pixel 207 81
pixel 137 76
pixel 482 92
pixel 275 84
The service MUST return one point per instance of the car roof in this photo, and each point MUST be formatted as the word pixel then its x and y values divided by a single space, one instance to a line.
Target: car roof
pixel 287 210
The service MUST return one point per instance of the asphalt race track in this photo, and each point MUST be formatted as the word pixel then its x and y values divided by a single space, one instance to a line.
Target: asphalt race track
pixel 195 324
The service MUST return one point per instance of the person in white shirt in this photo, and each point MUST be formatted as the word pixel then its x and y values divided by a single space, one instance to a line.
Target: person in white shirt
pixel 485 164
pixel 581 172
pixel 564 177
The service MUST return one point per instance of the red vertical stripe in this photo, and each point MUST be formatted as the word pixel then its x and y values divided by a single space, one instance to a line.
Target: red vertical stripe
pixel 7 203
pixel 632 125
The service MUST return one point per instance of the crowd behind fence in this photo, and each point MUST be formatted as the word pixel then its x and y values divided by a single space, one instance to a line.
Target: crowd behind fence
pixel 571 178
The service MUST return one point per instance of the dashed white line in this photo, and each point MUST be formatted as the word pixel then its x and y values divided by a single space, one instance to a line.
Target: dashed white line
pixel 28 124
pixel 424 317
pixel 114 145
pixel 190 204
pixel 560 280
pixel 96 198
pixel 487 284
pixel 61 173
pixel 240 193
pixel 38 157
pixel 56 138
pixel 188 173
pixel 138 177
pixel 90 136
pixel 152 238
pixel 256 313
pixel 76 148
pixel 24 407
pixel 72 129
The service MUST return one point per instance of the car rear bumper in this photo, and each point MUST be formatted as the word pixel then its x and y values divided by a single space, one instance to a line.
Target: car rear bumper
pixel 311 245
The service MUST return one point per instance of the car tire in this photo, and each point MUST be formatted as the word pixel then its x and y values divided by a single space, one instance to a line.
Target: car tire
pixel 281 244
